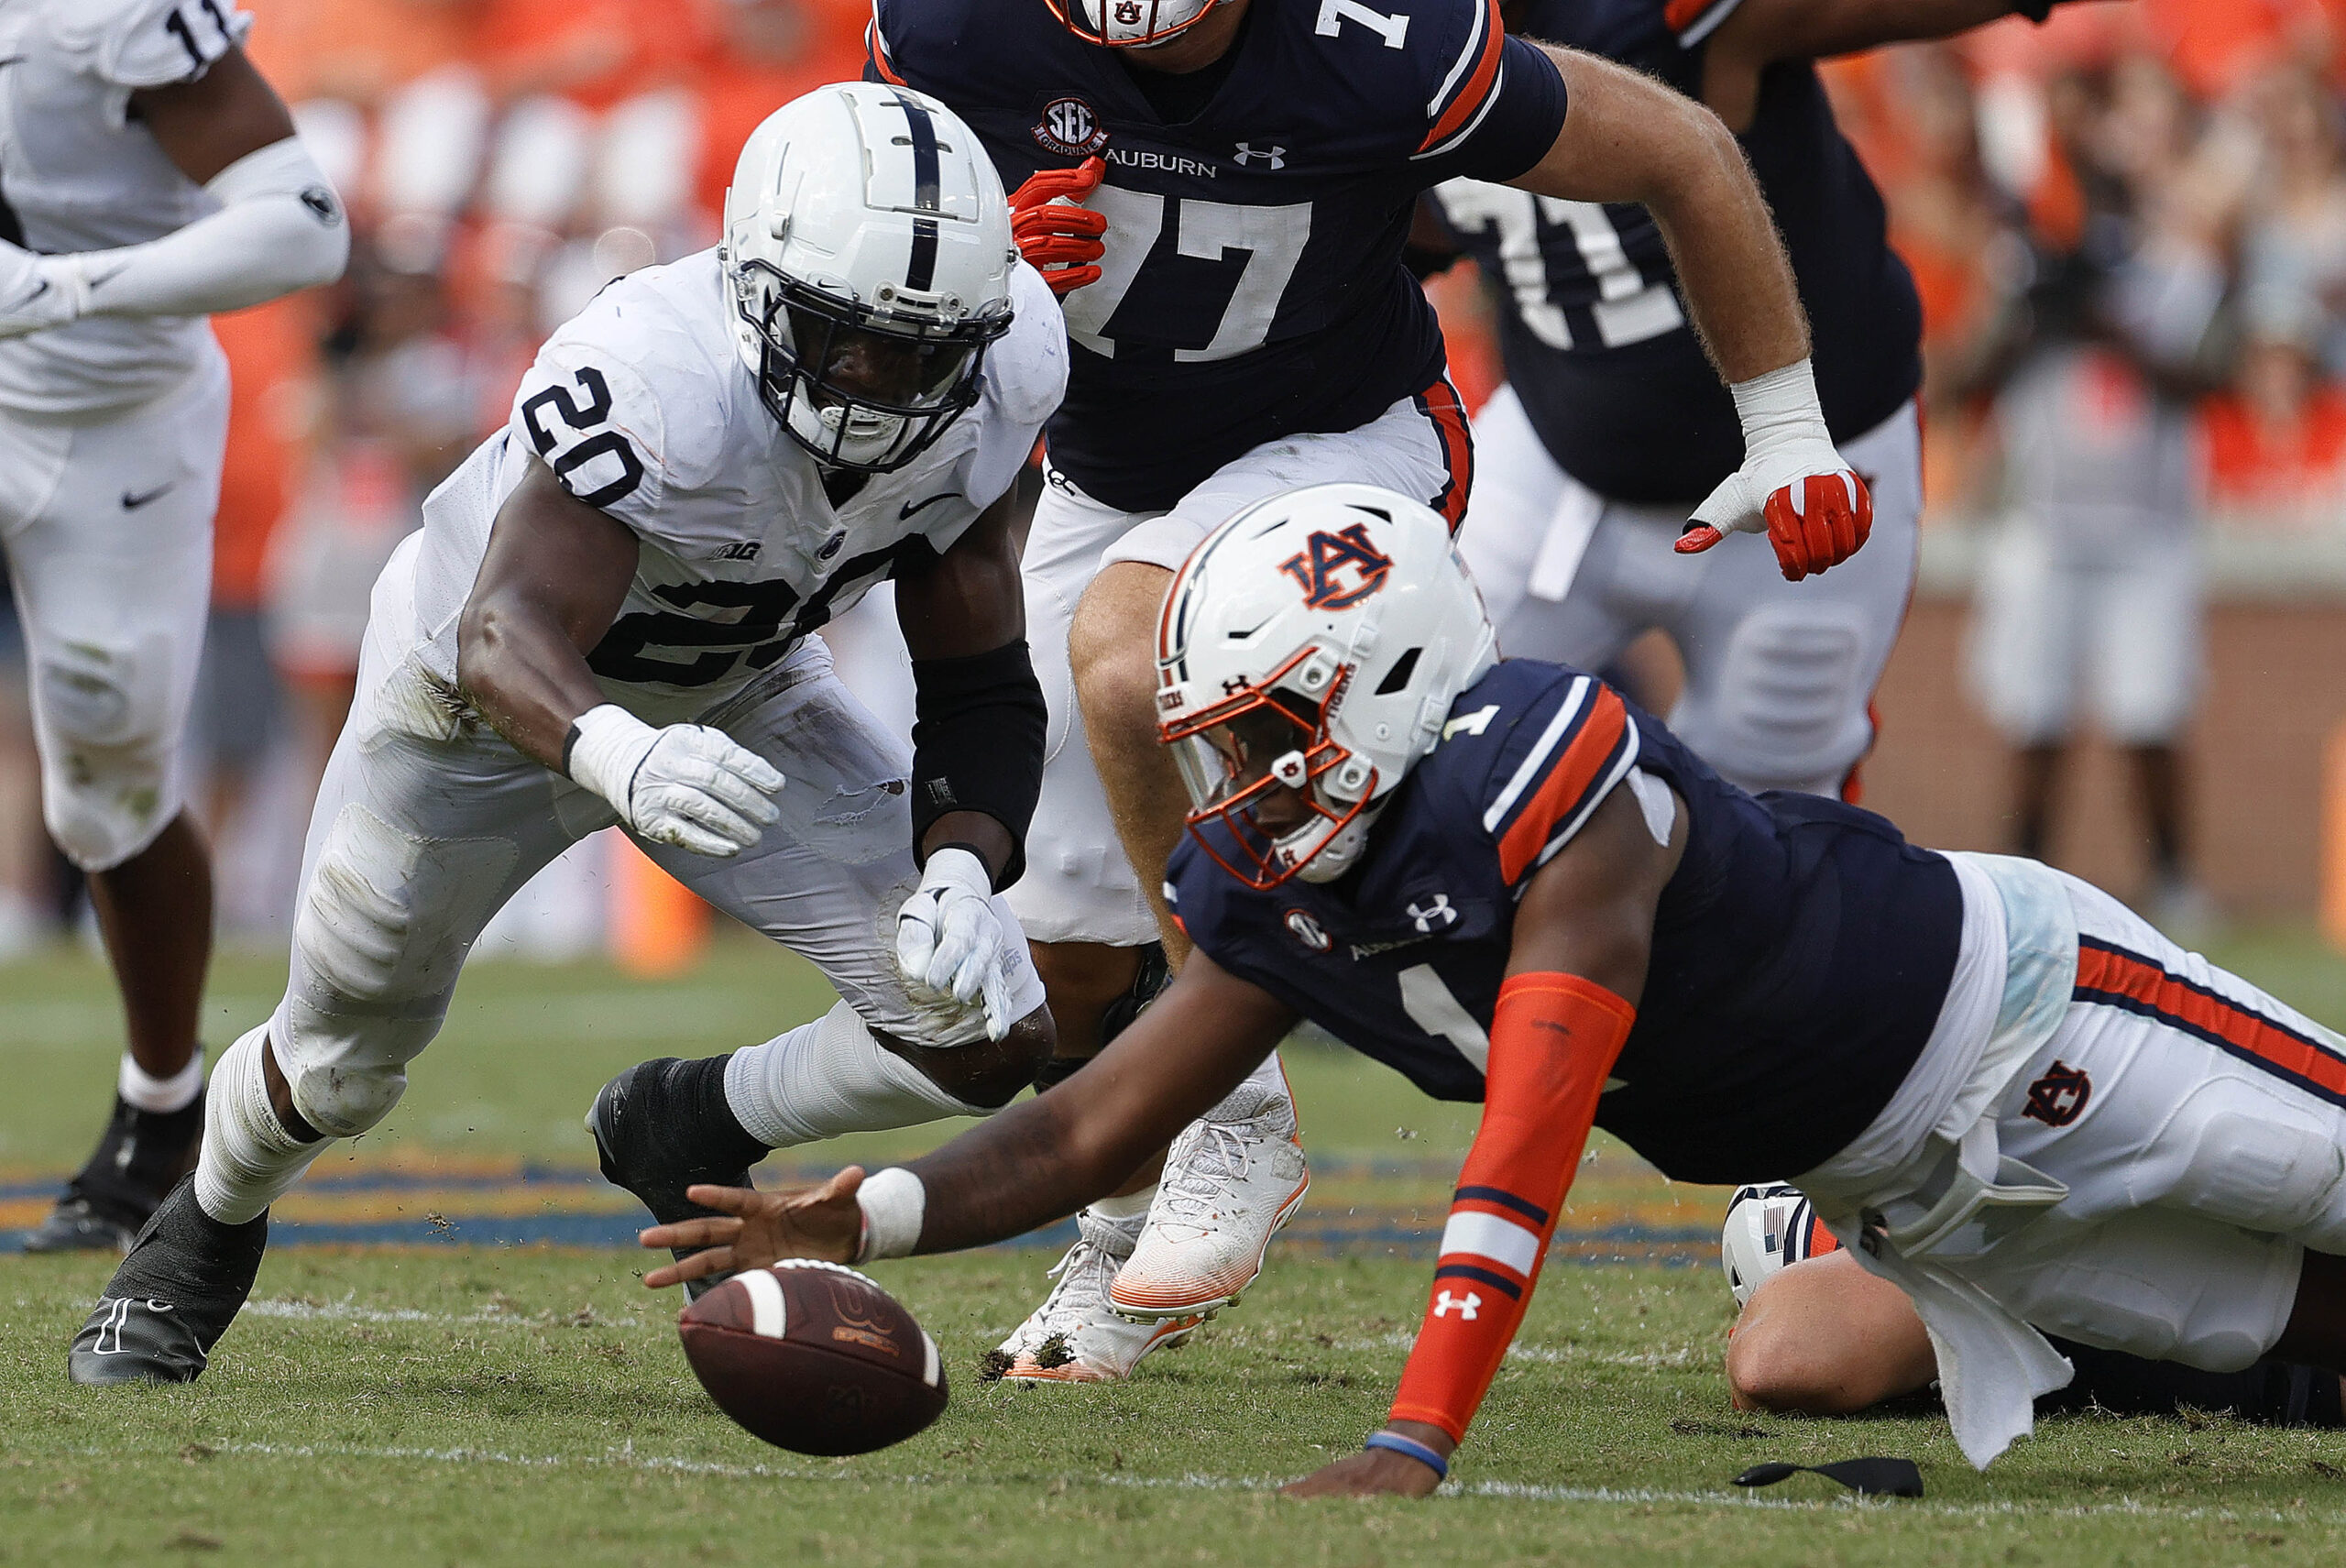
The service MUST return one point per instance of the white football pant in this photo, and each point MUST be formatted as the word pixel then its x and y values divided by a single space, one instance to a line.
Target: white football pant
pixel 1779 676
pixel 107 523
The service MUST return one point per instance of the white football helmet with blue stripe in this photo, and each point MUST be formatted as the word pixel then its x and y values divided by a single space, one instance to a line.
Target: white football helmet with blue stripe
pixel 867 246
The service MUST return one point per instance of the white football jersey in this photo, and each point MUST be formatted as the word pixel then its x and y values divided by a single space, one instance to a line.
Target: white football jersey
pixel 78 173
pixel 642 409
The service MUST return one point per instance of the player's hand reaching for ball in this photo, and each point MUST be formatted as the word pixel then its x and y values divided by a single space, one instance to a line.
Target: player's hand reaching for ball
pixel 37 291
pixel 684 784
pixel 756 1230
pixel 1815 509
pixel 1059 238
pixel 1377 1472
pixel 950 942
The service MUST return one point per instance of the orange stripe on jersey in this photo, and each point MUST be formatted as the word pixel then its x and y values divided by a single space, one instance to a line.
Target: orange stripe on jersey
pixel 1564 791
pixel 1681 14
pixel 1441 406
pixel 2117 977
pixel 1469 99
pixel 878 48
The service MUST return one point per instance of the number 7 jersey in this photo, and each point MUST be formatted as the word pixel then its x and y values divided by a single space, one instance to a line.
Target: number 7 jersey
pixel 641 409
pixel 1252 286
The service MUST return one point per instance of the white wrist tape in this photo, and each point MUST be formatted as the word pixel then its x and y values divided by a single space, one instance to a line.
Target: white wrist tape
pixel 279 228
pixel 608 744
pixel 894 1203
pixel 1779 407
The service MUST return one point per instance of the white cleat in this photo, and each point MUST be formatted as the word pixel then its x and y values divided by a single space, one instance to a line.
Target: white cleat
pixel 1074 1336
pixel 1227 1187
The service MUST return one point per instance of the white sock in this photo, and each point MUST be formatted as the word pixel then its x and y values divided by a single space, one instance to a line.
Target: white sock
pixel 160 1095
pixel 826 1078
pixel 1131 1205
pixel 1262 1091
pixel 249 1159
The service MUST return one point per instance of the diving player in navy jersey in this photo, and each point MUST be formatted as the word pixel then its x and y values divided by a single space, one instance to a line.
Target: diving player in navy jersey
pixel 1611 420
pixel 2015 1100
pixel 1220 191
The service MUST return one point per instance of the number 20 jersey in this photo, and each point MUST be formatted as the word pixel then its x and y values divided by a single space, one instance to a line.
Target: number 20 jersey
pixel 1597 344
pixel 642 408
pixel 1252 286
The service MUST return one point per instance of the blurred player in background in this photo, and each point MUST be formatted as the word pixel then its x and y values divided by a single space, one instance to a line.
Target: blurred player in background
pixel 603 597
pixel 1221 192
pixel 1612 422
pixel 148 176
pixel 2092 589
pixel 1819 1335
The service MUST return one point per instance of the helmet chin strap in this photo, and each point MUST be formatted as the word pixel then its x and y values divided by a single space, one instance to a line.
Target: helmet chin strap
pixel 1341 851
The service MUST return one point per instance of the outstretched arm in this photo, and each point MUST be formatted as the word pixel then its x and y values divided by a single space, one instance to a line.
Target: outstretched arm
pixel 1033 1163
pixel 1626 138
pixel 1758 33
pixel 1582 934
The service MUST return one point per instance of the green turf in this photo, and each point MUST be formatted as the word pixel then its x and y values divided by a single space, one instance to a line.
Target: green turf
pixel 448 1405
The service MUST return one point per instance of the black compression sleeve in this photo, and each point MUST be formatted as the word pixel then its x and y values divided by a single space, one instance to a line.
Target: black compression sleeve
pixel 978 744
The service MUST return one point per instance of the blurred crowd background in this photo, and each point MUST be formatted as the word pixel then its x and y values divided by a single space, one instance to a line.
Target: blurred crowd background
pixel 2129 227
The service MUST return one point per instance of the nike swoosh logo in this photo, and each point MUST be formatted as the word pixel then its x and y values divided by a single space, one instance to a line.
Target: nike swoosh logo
pixel 133 500
pixel 912 506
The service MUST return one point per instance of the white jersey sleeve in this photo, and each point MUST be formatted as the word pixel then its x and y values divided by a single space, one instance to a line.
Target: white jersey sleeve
pixel 145 43
pixel 1025 376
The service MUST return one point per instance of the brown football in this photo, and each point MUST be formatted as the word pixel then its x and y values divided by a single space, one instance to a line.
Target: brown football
pixel 814 1359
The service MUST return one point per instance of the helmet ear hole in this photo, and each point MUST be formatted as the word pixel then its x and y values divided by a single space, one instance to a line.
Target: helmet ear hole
pixel 1399 675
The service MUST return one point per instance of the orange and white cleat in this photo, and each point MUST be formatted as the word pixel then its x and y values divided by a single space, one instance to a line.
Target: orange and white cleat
pixel 1074 1336
pixel 1228 1187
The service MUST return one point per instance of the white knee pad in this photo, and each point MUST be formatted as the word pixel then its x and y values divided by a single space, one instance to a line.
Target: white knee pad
pixel 382 932
pixel 109 745
pixel 1786 709
pixel 2258 1162
pixel 830 1077
pixel 249 1160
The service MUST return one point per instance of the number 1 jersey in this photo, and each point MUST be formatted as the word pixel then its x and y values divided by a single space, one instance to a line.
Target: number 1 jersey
pixel 642 408
pixel 1253 286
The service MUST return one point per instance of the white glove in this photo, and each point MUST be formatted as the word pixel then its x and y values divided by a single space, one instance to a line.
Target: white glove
pixel 684 784
pixel 38 292
pixel 1815 509
pixel 949 940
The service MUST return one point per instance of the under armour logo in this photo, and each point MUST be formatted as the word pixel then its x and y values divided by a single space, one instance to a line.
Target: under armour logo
pixel 1437 914
pixel 1445 1303
pixel 1274 156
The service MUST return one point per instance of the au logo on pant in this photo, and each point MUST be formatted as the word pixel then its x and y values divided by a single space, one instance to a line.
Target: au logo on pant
pixel 2058 1097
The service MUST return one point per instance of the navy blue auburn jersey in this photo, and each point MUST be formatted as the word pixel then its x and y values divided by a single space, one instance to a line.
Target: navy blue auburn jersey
pixel 1595 335
pixel 1253 287
pixel 1801 950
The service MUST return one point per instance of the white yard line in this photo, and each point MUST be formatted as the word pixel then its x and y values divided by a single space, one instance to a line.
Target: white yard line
pixel 626 1458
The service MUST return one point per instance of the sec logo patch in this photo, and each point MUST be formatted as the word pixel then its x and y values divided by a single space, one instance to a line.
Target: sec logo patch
pixel 1070 128
pixel 1307 931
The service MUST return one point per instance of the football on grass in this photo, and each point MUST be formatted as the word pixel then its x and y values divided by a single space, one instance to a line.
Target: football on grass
pixel 814 1359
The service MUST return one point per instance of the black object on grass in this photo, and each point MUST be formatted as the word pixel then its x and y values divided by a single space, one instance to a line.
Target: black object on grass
pixel 1875 1477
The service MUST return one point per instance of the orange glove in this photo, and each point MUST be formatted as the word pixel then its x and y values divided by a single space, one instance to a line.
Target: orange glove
pixel 1057 238
pixel 1815 510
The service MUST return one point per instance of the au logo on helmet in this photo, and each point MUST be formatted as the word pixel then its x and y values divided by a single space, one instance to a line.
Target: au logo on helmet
pixel 1338 569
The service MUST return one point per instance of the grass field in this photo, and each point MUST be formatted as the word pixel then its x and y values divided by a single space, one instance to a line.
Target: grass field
pixel 445 1402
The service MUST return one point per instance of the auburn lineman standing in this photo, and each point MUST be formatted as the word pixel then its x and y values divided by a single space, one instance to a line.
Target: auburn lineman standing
pixel 1612 419
pixel 1240 323
pixel 148 176
pixel 605 619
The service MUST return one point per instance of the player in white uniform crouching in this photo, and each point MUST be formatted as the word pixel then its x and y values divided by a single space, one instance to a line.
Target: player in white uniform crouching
pixel 605 619
pixel 148 176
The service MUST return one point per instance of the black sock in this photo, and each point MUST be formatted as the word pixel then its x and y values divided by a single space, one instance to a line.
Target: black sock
pixel 718 1136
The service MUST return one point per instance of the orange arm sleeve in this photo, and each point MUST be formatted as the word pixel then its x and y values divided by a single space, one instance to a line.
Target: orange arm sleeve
pixel 1554 1039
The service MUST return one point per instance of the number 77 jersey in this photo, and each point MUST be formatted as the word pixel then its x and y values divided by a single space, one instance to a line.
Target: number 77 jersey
pixel 1252 286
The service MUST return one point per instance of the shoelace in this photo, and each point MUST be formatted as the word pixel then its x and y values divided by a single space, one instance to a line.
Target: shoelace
pixel 1204 1172
pixel 1086 1266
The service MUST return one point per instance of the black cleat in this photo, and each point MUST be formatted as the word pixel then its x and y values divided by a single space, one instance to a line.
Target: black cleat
pixel 662 1126
pixel 138 1158
pixel 186 1277
pixel 1148 983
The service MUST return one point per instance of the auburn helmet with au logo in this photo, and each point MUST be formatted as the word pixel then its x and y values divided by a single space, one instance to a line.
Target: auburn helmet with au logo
pixel 1316 642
